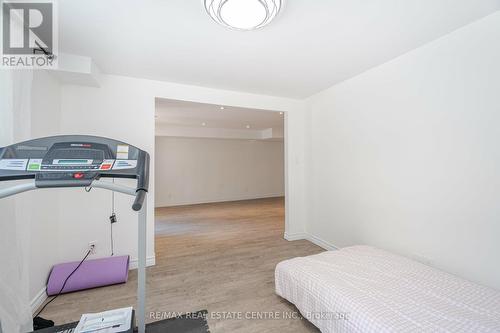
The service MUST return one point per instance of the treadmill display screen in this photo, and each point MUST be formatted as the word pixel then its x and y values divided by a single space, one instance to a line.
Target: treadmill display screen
pixel 72 162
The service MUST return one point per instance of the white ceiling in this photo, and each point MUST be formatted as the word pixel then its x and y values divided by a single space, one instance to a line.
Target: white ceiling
pixel 312 44
pixel 181 113
pixel 189 119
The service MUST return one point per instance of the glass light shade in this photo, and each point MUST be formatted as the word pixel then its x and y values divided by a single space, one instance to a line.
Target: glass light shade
pixel 243 14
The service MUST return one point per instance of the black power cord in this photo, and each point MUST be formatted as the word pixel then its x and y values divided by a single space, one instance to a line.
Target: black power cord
pixel 64 284
pixel 112 220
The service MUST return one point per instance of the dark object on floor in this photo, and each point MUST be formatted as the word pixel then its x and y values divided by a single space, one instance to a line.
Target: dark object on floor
pixel 39 323
pixel 195 322
pixel 70 327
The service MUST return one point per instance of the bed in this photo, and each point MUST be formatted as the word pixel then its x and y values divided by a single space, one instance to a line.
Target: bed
pixel 365 289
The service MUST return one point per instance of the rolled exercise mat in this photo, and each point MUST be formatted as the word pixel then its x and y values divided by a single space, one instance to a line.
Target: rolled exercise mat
pixel 91 274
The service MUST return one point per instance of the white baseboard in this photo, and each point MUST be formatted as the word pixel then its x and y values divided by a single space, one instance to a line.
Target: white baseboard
pixel 235 198
pixel 41 296
pixel 38 300
pixel 134 263
pixel 321 242
pixel 313 239
pixel 295 236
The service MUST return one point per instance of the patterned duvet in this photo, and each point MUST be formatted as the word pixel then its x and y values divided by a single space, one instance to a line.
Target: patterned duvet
pixel 364 289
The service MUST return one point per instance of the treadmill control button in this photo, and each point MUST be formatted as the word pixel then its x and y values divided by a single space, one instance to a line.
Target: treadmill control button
pixel 78 175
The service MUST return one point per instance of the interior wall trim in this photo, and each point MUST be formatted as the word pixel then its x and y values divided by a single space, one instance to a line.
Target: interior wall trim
pixel 38 300
pixel 313 239
pixel 321 242
pixel 150 261
pixel 235 198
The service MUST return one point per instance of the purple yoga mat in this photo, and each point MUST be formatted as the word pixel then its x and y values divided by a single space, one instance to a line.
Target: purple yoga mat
pixel 91 274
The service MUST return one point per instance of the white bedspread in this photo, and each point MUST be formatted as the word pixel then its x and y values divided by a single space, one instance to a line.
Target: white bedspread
pixel 364 289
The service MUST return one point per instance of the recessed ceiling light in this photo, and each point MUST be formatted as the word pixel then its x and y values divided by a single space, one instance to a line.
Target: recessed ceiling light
pixel 243 14
pixel 281 112
pixel 248 126
pixel 203 124
pixel 222 108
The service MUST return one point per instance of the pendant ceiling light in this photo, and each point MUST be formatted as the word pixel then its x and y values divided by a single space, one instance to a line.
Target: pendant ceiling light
pixel 243 14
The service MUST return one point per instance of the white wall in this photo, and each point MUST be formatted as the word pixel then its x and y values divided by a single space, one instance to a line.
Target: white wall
pixel 123 108
pixel 191 170
pixel 36 113
pixel 15 314
pixel 406 156
pixel 42 207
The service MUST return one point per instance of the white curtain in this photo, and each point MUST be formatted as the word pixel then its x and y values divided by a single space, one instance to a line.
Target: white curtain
pixel 15 311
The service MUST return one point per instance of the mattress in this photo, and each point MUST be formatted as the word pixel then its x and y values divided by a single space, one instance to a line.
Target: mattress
pixel 364 289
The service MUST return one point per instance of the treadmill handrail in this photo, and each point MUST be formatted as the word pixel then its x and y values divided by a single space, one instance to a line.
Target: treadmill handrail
pixel 142 180
pixel 16 189
pixel 114 187
pixel 139 200
pixel 20 188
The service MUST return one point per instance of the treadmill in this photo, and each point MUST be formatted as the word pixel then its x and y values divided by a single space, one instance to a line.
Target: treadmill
pixel 82 161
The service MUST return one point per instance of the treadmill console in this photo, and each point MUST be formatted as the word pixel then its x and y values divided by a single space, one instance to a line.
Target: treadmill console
pixel 74 161
pixel 76 156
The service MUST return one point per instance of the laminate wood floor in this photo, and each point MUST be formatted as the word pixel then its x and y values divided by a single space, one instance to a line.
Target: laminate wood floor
pixel 220 257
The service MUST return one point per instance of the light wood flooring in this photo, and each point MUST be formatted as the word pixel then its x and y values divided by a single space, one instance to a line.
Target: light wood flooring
pixel 219 257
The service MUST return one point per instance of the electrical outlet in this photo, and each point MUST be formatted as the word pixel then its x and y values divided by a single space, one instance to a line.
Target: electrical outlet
pixel 93 247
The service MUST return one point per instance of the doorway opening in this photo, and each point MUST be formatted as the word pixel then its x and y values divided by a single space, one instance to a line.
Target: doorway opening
pixel 220 206
pixel 215 156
